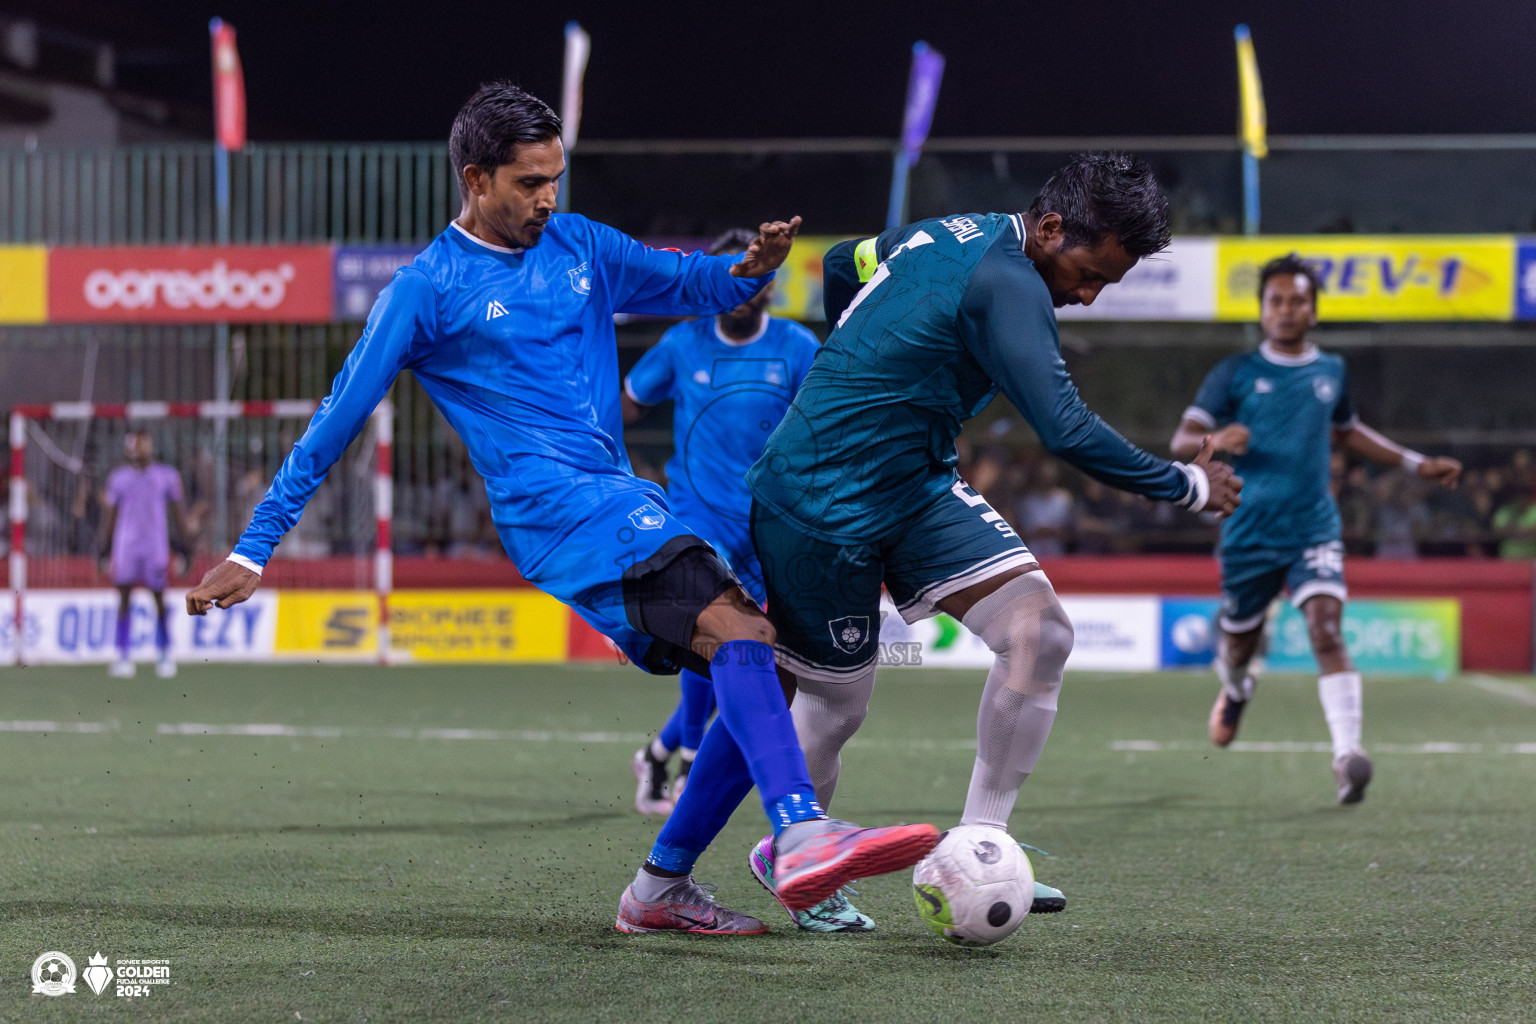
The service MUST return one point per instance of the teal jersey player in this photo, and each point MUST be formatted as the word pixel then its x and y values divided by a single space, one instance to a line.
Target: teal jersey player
pixel 1279 412
pixel 952 311
pixel 858 486
pixel 1291 404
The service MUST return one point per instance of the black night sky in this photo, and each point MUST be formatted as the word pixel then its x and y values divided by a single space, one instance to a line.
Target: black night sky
pixel 750 68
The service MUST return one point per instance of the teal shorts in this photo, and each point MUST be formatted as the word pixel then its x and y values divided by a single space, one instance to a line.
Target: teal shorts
pixel 824 596
pixel 1252 578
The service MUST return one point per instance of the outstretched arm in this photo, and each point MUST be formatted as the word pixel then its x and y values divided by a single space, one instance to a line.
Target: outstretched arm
pixel 1008 326
pixel 1232 438
pixel 666 282
pixel 404 312
pixel 1372 445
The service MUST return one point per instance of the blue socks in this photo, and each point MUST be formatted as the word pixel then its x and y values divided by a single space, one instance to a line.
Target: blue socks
pixel 697 705
pixel 162 633
pixel 751 703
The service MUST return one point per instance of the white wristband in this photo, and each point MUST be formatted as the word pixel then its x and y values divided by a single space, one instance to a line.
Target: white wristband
pixel 1411 461
pixel 244 563
pixel 1199 487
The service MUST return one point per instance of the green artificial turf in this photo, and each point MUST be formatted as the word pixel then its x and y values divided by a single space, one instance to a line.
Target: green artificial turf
pixel 357 871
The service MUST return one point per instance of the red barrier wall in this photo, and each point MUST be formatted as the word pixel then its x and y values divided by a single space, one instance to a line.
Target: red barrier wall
pixel 1495 595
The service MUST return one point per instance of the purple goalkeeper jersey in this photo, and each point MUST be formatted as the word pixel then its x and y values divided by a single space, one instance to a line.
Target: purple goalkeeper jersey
pixel 140 495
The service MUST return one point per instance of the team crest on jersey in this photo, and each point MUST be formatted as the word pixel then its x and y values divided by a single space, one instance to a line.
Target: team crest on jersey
pixel 701 376
pixel 581 279
pixel 1324 389
pixel 1263 386
pixel 648 517
pixel 849 633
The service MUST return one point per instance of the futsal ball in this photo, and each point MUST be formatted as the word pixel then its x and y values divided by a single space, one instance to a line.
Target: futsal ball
pixel 975 888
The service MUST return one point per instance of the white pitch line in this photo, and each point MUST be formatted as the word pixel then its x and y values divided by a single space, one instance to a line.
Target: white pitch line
pixel 267 729
pixel 1298 747
pixel 1507 688
pixel 53 727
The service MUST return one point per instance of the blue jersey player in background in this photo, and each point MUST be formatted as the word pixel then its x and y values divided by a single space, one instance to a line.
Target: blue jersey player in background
pixel 1279 411
pixel 732 377
pixel 506 320
pixel 858 486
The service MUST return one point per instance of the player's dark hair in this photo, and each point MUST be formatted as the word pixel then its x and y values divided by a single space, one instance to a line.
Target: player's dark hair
pixel 1111 193
pixel 495 120
pixel 734 240
pixel 1290 265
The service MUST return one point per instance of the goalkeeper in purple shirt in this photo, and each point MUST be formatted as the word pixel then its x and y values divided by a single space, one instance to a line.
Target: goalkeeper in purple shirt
pixel 506 320
pixel 143 500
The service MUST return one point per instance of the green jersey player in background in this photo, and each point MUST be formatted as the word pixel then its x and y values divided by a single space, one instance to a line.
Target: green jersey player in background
pixel 1278 411
pixel 858 486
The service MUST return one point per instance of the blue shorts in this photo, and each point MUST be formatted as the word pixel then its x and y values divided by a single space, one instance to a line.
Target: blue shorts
pixel 638 575
pixel 1253 577
pixel 824 597
pixel 731 538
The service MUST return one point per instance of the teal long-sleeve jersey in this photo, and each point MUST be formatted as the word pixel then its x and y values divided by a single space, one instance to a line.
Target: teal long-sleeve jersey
pixel 952 312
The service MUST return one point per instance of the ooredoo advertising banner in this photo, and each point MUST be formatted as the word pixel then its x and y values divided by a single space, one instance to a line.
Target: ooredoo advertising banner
pixel 152 284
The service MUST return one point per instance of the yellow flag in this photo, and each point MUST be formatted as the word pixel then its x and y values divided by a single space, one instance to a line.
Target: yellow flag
pixel 1252 89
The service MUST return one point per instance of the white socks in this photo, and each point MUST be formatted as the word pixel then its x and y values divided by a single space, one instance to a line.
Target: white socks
pixel 1341 694
pixel 1235 679
pixel 826 715
pixel 1026 627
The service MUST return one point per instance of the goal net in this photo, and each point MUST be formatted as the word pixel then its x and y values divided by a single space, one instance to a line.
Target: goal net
pixel 62 605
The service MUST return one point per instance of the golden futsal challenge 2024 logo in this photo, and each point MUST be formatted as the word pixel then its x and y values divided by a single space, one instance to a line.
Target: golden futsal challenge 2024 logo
pixel 54 974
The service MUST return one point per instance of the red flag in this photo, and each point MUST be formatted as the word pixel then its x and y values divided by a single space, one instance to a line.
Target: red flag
pixel 228 86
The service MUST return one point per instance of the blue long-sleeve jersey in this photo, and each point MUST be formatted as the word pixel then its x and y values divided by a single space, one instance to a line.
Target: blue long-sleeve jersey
pixel 516 347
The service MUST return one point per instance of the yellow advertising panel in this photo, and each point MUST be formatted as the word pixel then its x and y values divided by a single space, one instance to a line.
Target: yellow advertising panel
pixel 1384 277
pixel 477 625
pixel 797 287
pixel 23 284
pixel 321 624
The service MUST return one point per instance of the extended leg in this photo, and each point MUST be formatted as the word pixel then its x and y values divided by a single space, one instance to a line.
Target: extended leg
pixel 1341 693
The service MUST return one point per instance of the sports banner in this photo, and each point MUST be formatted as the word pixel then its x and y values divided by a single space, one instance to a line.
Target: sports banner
pixel 327 625
pixel 477 626
pixel 23 284
pixel 797 286
pixel 1113 634
pixel 1465 277
pixel 80 627
pixel 1409 637
pixel 1397 637
pixel 1178 283
pixel 152 284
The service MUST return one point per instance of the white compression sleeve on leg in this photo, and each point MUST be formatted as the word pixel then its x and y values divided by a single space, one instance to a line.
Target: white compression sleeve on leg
pixel 826 715
pixel 1026 627
pixel 1343 706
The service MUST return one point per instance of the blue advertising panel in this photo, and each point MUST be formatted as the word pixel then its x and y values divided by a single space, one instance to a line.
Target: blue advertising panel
pixel 1189 631
pixel 1525 280
pixel 362 272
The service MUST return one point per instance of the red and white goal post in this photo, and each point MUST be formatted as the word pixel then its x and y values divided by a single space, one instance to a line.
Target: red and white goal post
pixel 227 454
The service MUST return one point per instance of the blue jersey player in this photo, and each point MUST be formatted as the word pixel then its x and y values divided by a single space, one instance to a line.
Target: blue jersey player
pixel 506 319
pixel 731 378
pixel 858 485
pixel 1279 411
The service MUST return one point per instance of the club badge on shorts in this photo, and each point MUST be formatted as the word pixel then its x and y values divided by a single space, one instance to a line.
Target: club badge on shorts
pixel 849 633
